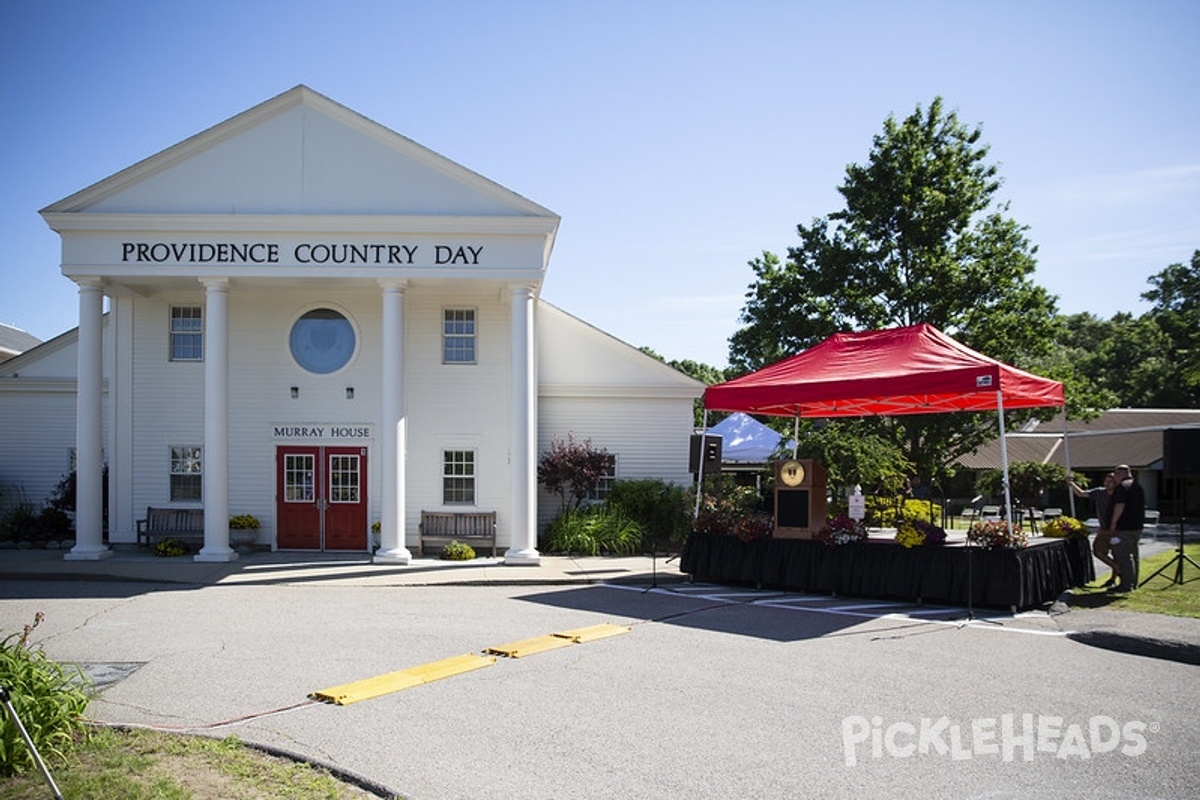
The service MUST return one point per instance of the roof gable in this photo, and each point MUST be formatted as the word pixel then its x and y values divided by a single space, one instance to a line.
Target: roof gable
pixel 298 153
pixel 575 357
pixel 56 358
pixel 14 341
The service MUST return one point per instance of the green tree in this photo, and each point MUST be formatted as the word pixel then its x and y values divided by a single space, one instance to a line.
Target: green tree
pixel 922 238
pixel 854 453
pixel 1124 361
pixel 1176 298
pixel 1086 381
pixel 1029 480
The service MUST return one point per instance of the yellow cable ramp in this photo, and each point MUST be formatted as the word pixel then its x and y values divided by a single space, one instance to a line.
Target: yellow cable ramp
pixel 369 688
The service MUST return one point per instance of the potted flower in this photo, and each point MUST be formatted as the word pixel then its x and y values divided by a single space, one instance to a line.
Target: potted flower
pixel 918 532
pixel 908 535
pixel 994 534
pixel 842 530
pixel 1065 527
pixel 243 530
pixel 753 527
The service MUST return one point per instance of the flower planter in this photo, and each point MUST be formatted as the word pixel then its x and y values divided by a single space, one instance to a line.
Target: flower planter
pixel 242 537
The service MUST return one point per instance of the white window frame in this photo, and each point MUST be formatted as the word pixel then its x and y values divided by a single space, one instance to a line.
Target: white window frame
pixel 470 317
pixel 186 461
pixel 604 485
pixel 298 473
pixel 455 483
pixel 345 478
pixel 191 342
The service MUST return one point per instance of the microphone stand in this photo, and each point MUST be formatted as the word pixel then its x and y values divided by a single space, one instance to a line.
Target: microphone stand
pixel 971 570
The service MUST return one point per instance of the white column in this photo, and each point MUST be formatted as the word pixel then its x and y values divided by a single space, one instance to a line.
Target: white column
pixel 392 427
pixel 523 544
pixel 89 448
pixel 216 423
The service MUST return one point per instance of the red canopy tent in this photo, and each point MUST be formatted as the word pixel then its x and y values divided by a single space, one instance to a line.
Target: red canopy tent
pixel 912 370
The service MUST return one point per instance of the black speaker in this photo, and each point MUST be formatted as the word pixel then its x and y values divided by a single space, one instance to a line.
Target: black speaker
pixel 1181 451
pixel 712 454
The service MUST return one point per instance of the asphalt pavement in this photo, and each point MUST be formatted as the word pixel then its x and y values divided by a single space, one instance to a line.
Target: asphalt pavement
pixel 1152 635
pixel 185 625
pixel 347 569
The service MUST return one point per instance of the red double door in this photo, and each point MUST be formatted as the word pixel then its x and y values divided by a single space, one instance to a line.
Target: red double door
pixel 321 498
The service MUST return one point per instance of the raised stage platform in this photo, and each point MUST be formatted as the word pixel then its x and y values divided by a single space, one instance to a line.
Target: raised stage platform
pixel 951 573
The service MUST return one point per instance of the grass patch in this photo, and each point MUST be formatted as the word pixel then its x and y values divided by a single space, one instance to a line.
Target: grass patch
pixel 150 765
pixel 1160 596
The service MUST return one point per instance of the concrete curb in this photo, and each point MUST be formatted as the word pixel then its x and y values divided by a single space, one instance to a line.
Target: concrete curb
pixel 343 775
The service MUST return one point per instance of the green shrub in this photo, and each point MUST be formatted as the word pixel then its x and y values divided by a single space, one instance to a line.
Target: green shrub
pixel 54 523
pixel 724 503
pixel 169 548
pixel 17 518
pixel 882 512
pixel 49 699
pixel 458 551
pixel 24 520
pixel 664 510
pixel 594 530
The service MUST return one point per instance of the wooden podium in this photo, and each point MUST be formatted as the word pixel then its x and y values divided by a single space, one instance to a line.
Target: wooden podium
pixel 800 508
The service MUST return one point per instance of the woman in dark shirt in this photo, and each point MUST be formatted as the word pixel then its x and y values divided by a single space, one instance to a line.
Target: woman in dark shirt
pixel 1101 497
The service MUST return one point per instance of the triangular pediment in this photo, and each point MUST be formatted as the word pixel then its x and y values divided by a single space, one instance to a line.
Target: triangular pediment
pixel 299 153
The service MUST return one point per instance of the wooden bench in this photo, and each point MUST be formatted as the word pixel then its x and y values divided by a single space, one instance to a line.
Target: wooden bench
pixel 184 524
pixel 476 528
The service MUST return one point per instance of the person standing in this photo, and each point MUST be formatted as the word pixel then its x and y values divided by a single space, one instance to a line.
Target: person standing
pixel 1101 497
pixel 1126 521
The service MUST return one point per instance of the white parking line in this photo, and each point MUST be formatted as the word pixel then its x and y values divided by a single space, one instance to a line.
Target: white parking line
pixel 871 610
pixel 868 606
pixel 933 611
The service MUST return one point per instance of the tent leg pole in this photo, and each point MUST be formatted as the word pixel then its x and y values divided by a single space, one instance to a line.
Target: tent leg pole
pixel 1067 456
pixel 1004 460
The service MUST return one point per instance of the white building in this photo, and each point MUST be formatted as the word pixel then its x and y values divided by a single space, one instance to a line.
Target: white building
pixel 14 341
pixel 314 320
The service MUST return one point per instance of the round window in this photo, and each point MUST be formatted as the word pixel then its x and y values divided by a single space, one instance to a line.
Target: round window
pixel 322 341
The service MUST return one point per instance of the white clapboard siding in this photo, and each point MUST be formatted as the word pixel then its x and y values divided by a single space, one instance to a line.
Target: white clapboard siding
pixel 458 406
pixel 648 436
pixel 36 453
pixel 167 401
pixel 37 418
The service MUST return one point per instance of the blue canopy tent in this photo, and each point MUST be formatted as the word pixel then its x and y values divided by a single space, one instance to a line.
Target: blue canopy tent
pixel 745 440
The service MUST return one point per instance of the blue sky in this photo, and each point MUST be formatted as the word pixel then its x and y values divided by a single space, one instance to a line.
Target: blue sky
pixel 677 140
